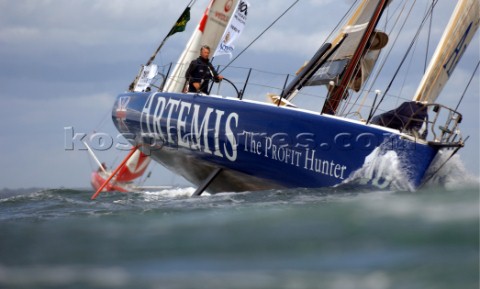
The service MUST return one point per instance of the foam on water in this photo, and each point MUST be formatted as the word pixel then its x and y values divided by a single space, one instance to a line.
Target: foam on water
pixel 168 193
pixel 449 172
pixel 383 170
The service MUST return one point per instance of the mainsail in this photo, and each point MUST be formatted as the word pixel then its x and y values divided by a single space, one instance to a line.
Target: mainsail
pixel 350 58
pixel 134 168
pixel 351 74
pixel 208 32
pixel 120 179
pixel 459 32
pixel 355 30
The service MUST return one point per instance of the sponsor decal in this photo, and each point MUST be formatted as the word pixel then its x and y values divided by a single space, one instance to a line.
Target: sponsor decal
pixel 121 112
pixel 223 18
pixel 182 123
pixel 297 156
pixel 452 61
pixel 216 132
pixel 228 6
pixel 243 9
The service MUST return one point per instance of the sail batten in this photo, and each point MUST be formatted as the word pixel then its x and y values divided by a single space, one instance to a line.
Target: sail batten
pixel 462 26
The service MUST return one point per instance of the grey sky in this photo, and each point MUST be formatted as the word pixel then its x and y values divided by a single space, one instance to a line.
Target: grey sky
pixel 62 63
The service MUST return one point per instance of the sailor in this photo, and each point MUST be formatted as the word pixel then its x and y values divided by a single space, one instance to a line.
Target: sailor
pixel 201 71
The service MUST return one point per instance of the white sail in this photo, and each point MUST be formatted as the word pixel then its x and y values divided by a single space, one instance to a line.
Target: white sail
pixel 458 34
pixel 355 28
pixel 208 32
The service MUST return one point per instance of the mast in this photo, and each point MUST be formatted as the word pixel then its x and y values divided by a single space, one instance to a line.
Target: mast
pixel 459 32
pixel 337 93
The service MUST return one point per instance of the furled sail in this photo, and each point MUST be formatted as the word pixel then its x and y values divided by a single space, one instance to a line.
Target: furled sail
pixel 208 32
pixel 355 29
pixel 459 32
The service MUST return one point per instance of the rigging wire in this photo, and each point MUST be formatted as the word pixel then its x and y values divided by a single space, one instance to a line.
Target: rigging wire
pixel 469 82
pixel 341 21
pixel 103 119
pixel 408 69
pixel 352 70
pixel 335 41
pixel 424 182
pixel 405 56
pixel 387 56
pixel 428 42
pixel 384 58
pixel 335 52
pixel 260 35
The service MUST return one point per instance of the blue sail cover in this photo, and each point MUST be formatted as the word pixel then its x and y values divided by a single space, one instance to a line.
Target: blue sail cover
pixel 409 116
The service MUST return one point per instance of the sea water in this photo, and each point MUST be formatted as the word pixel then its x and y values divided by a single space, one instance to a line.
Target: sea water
pixel 344 237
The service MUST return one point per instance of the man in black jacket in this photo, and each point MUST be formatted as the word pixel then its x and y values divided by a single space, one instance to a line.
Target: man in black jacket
pixel 201 71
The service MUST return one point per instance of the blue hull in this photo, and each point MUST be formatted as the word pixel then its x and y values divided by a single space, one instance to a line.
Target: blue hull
pixel 261 146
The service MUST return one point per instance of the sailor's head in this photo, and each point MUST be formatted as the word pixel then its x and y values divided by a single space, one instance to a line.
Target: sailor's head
pixel 205 51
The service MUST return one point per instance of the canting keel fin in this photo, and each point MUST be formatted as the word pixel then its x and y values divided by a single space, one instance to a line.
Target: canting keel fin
pixel 207 182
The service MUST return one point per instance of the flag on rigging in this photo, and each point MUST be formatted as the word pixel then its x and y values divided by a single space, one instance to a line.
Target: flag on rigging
pixel 181 23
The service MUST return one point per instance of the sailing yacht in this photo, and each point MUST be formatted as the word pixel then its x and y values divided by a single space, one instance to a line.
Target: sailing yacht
pixel 233 143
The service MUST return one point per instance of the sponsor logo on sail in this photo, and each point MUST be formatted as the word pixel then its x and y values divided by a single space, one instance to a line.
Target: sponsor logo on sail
pixel 228 6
